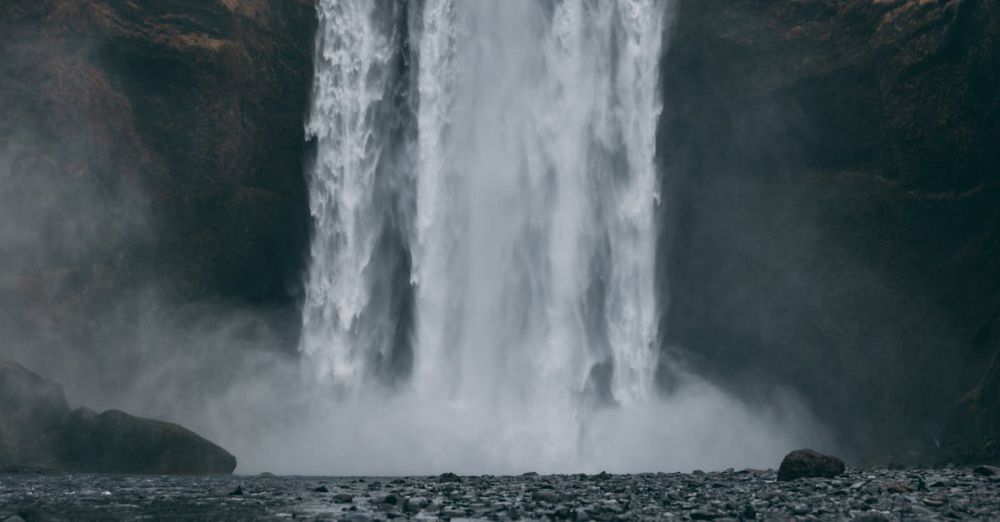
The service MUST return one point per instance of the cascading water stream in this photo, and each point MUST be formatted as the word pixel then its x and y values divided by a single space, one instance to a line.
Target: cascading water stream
pixel 535 192
pixel 485 204
pixel 352 78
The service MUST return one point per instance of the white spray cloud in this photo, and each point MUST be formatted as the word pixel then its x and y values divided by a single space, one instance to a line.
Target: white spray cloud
pixel 532 235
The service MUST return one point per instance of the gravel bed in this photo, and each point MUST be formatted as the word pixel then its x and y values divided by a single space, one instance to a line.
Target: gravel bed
pixel 878 494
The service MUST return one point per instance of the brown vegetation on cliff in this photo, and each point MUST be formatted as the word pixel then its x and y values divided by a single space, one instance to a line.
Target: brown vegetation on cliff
pixel 191 112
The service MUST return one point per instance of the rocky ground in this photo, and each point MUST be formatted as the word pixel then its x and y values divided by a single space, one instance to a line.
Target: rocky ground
pixel 962 493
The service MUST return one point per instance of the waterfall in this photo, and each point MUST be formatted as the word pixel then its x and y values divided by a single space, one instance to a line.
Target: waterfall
pixel 535 194
pixel 485 206
pixel 351 321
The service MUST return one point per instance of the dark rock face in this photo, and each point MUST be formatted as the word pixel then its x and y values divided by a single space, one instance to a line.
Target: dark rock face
pixel 832 213
pixel 148 147
pixel 807 463
pixel 38 429
pixel 181 123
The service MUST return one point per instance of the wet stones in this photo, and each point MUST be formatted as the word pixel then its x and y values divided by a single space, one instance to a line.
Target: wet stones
pixel 415 504
pixel 807 463
pixel 547 495
pixel 705 515
pixel 869 494
pixel 894 487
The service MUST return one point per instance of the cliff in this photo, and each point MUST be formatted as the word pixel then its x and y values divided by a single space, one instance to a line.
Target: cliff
pixel 831 209
pixel 188 112
pixel 832 223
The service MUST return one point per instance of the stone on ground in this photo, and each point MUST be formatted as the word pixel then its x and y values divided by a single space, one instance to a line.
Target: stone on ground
pixel 807 463
pixel 39 430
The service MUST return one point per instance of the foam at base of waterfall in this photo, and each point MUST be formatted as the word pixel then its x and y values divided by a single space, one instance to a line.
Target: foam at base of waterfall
pixel 527 214
pixel 698 427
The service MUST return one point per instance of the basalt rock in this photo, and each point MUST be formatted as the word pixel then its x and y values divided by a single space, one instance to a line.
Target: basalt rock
pixel 987 471
pixel 449 477
pixel 178 127
pixel 34 416
pixel 832 213
pixel 116 442
pixel 807 463
pixel 38 429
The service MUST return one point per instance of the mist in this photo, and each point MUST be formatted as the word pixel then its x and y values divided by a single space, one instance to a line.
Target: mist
pixel 369 259
pixel 87 302
pixel 227 373
pixel 223 374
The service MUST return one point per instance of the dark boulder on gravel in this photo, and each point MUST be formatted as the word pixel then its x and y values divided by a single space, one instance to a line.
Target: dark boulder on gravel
pixel 805 463
pixel 449 477
pixel 987 471
pixel 116 442
pixel 39 430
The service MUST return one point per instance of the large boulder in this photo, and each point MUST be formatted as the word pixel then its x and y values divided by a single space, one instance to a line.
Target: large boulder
pixel 38 429
pixel 116 442
pixel 33 412
pixel 807 463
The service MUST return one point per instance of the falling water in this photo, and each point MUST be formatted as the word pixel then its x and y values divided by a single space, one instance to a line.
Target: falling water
pixel 535 201
pixel 485 206
pixel 349 325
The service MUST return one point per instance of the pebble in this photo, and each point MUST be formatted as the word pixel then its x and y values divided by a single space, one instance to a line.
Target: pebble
pixel 872 495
